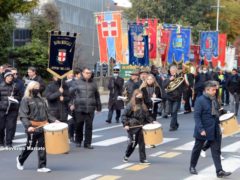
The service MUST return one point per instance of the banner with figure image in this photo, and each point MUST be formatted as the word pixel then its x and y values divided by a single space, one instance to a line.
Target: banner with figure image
pixel 209 44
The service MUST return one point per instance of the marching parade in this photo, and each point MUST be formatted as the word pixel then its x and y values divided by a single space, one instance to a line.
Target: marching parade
pixel 168 92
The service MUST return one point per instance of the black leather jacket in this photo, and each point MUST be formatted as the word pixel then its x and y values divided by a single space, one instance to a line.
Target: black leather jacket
pixel 34 109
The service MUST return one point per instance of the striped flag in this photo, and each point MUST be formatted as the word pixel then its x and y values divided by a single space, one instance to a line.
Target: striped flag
pixel 109 27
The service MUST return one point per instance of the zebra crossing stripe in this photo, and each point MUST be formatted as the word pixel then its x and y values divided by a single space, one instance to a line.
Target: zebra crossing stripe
pixel 94 176
pixel 112 141
pixel 170 155
pixel 186 147
pixel 137 167
pixel 109 177
pixel 230 164
pixel 123 166
pixel 234 147
pixel 157 153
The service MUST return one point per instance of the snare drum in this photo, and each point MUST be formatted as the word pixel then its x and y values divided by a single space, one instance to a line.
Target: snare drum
pixel 56 138
pixel 229 124
pixel 153 134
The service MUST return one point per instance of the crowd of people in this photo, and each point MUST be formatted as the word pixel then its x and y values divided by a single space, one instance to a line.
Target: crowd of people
pixel 146 96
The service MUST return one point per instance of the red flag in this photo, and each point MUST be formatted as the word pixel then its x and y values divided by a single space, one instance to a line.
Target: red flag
pixel 222 42
pixel 195 50
pixel 151 31
pixel 164 44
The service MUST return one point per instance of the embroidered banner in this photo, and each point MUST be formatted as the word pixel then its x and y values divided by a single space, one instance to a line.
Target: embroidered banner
pixel 222 43
pixel 209 44
pixel 138 45
pixel 61 55
pixel 179 46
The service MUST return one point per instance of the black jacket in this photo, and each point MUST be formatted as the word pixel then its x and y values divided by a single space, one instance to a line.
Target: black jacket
pixel 38 79
pixel 139 117
pixel 233 84
pixel 56 107
pixel 176 94
pixel 86 96
pixel 116 88
pixel 147 95
pixel 7 90
pixel 130 87
pixel 34 109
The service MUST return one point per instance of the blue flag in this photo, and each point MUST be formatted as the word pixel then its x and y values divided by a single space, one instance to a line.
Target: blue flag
pixel 179 47
pixel 138 45
pixel 209 44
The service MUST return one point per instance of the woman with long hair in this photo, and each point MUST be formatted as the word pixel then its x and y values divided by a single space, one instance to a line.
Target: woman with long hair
pixel 34 115
pixel 151 89
pixel 135 115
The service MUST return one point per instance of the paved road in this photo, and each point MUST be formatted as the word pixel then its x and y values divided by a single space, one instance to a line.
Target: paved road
pixel 169 161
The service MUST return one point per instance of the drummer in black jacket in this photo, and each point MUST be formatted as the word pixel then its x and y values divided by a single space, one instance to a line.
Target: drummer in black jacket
pixel 135 115
pixel 58 97
pixel 34 115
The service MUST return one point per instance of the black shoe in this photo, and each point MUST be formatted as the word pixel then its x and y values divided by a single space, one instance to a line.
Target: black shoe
pixel 88 146
pixel 9 146
pixel 166 116
pixel 108 121
pixel 222 173
pixel 78 144
pixel 117 120
pixel 192 170
pixel 172 129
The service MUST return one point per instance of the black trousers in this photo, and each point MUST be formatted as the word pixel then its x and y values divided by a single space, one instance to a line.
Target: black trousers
pixel 81 119
pixel 136 137
pixel 187 98
pixel 215 150
pixel 8 123
pixel 35 140
pixel 110 114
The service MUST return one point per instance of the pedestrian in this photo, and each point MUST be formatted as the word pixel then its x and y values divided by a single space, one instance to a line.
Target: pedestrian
pixel 19 82
pixel 115 87
pixel 10 97
pixel 174 97
pixel 233 85
pixel 131 85
pixel 33 76
pixel 206 115
pixel 58 98
pixel 150 90
pixel 33 113
pixel 86 101
pixel 135 115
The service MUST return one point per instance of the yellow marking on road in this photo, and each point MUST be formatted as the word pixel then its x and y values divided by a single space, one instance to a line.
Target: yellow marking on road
pixel 170 155
pixel 109 177
pixel 137 167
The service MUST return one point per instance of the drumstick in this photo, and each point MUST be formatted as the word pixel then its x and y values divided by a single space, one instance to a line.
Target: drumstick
pixel 135 126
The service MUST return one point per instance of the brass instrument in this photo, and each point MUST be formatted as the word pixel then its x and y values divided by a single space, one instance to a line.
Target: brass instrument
pixel 174 84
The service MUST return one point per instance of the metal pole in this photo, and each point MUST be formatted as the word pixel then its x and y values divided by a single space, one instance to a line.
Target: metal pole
pixel 218 7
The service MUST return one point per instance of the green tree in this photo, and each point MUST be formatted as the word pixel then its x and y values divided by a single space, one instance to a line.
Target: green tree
pixel 8 7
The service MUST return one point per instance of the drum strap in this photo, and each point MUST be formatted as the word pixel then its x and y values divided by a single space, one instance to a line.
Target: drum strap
pixel 38 123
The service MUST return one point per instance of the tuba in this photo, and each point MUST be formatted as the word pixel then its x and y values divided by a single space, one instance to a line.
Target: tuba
pixel 174 84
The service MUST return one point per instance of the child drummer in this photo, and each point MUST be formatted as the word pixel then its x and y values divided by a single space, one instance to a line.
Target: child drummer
pixel 34 115
pixel 135 115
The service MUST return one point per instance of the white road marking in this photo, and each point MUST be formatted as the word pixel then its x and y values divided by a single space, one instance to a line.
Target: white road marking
pixel 230 164
pixel 19 134
pixel 112 141
pixel 122 166
pixel 94 176
pixel 234 147
pixel 186 147
pixel 106 128
pixel 157 153
pixel 96 136
pixel 21 140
